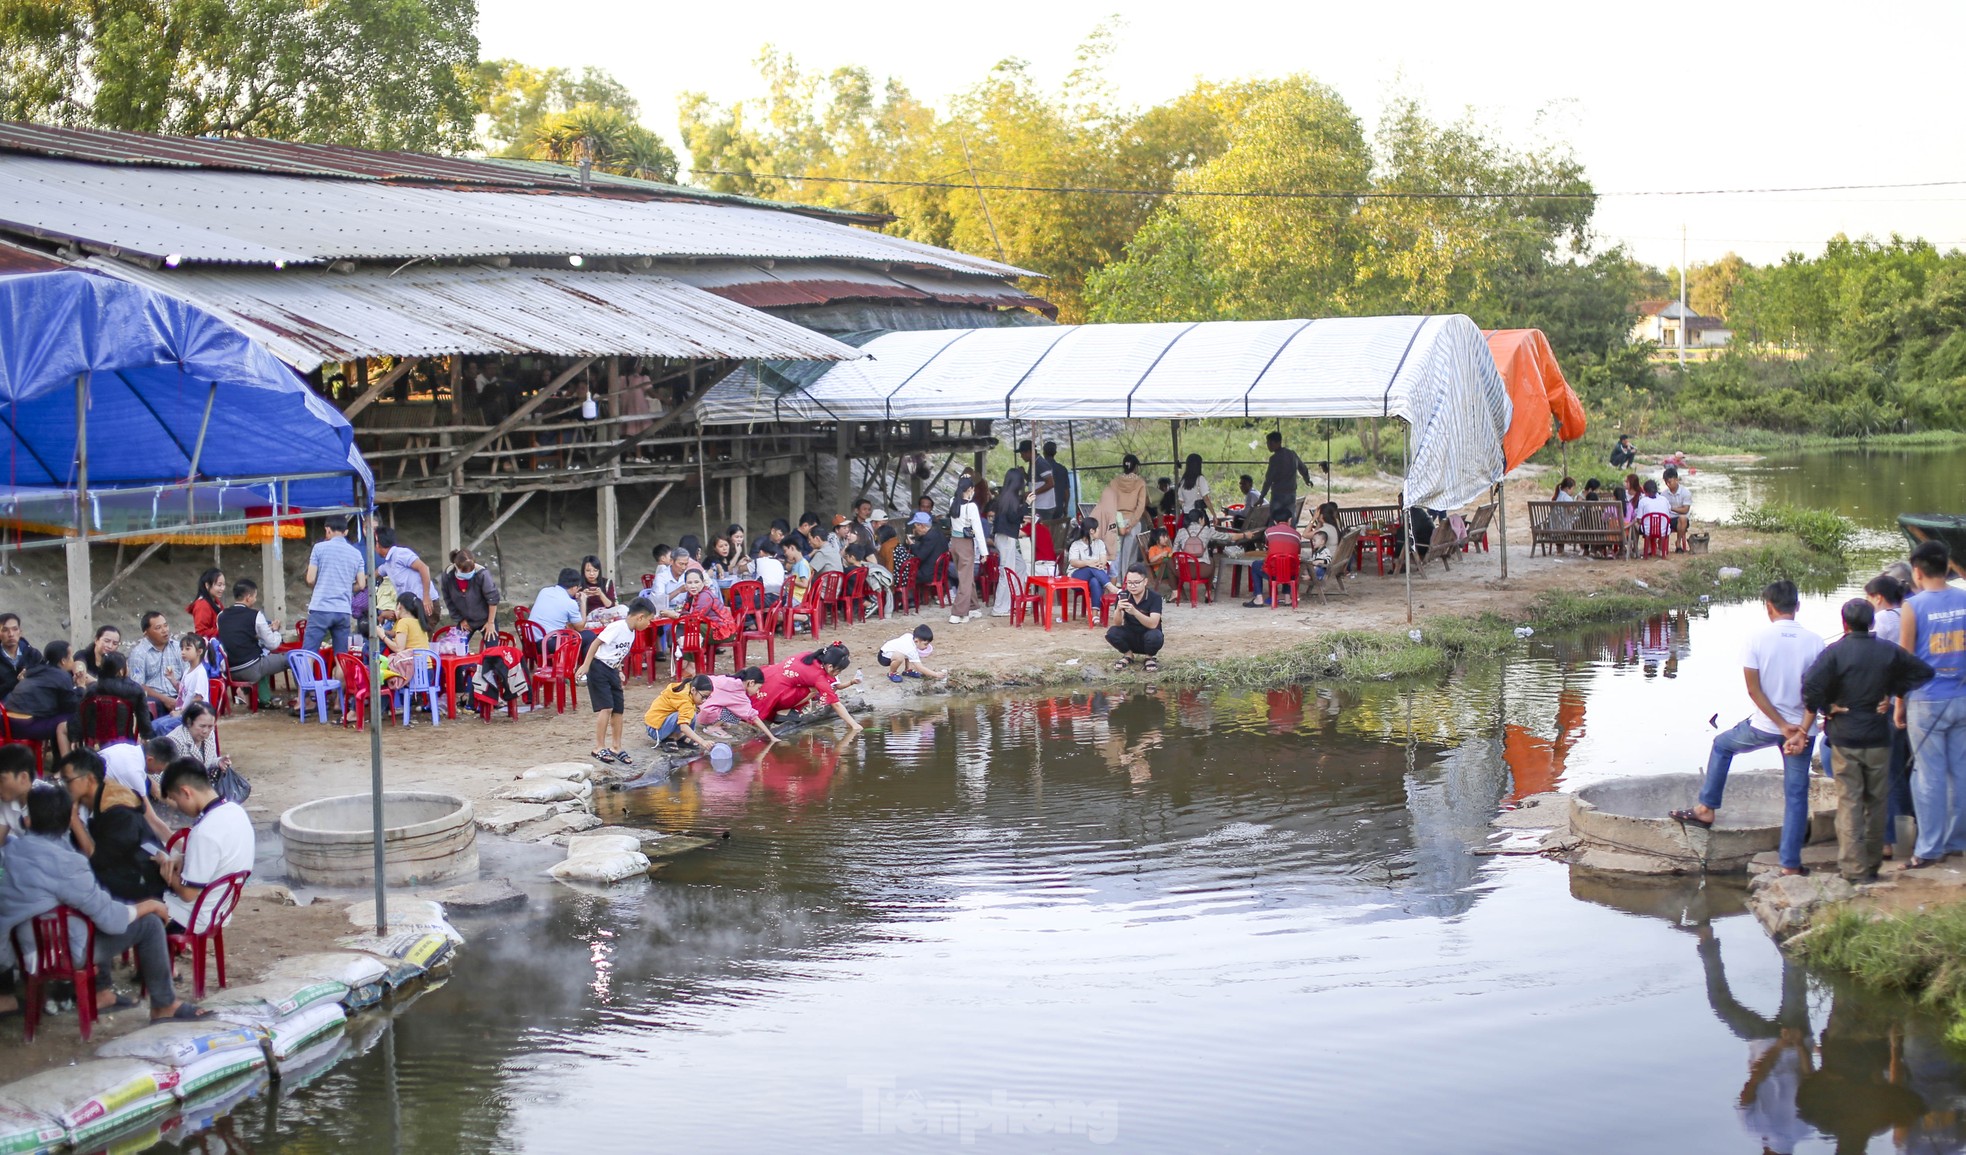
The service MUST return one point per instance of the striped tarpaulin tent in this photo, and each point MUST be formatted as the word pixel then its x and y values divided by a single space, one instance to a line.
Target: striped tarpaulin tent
pixel 1435 373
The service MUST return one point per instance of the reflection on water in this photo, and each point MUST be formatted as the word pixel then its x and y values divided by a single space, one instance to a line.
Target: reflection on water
pixel 1163 921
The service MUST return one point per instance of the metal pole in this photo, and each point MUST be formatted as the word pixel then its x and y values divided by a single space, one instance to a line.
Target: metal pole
pixel 1406 513
pixel 1072 484
pixel 1502 521
pixel 1682 297
pixel 375 716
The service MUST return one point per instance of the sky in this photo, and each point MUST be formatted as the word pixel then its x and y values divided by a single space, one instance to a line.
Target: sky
pixel 1749 96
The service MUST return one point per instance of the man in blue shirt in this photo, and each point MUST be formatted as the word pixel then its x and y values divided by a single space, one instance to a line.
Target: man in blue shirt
pixel 335 570
pixel 555 608
pixel 1933 626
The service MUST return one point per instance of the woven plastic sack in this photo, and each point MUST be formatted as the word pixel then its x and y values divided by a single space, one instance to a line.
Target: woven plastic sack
pixel 365 975
pixel 573 771
pixel 23 1131
pixel 177 1044
pixel 269 1002
pixel 96 1097
pixel 605 867
pixel 541 790
pixel 215 1068
pixel 296 1032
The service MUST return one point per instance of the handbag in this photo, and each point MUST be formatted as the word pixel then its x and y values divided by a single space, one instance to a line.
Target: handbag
pixel 231 785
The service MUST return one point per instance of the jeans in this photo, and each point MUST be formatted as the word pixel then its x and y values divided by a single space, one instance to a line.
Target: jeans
pixel 1096 579
pixel 325 624
pixel 666 731
pixel 1011 557
pixel 146 936
pixel 1938 784
pixel 1742 739
pixel 166 724
pixel 1897 804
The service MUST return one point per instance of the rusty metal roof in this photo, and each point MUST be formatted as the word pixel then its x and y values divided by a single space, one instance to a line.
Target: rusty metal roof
pixel 339 162
pixel 14 259
pixel 214 216
pixel 307 316
pixel 791 285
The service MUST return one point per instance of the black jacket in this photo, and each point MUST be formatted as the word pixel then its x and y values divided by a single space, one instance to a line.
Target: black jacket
pixel 926 549
pixel 11 670
pixel 1858 671
pixel 44 692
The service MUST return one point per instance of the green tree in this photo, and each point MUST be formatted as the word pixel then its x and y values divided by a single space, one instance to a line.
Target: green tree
pixel 1710 287
pixel 604 136
pixel 372 73
pixel 514 98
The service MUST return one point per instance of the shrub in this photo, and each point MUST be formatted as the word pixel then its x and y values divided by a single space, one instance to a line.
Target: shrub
pixel 1822 530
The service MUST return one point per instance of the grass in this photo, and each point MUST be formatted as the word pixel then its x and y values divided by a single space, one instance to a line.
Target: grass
pixel 1921 954
pixel 1822 530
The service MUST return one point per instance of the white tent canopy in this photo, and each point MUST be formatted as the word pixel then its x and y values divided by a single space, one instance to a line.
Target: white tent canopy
pixel 1435 373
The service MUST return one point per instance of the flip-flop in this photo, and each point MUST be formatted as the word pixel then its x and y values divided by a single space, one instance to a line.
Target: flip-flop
pixel 1691 818
pixel 1917 863
pixel 601 755
pixel 186 1012
pixel 123 1003
pixel 622 757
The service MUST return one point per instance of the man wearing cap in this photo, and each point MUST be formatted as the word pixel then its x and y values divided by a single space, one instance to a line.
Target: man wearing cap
pixel 927 543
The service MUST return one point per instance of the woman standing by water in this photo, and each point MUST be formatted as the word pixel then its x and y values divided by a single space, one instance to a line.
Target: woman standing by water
pixel 968 548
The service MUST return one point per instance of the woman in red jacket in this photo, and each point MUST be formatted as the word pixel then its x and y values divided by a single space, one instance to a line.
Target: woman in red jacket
pixel 789 684
pixel 204 608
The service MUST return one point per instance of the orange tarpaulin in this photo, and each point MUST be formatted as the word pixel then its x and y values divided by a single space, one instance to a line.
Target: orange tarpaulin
pixel 1538 390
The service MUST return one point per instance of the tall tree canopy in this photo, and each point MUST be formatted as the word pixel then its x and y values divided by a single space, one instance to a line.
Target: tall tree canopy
pixel 559 113
pixel 372 73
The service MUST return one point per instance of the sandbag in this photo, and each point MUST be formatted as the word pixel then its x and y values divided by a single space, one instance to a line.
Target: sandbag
pixel 97 1096
pixel 293 1034
pixel 607 867
pixel 541 790
pixel 578 844
pixel 310 1062
pixel 365 975
pixel 268 1002
pixel 23 1131
pixel 178 1044
pixel 406 956
pixel 405 914
pixel 215 1068
pixel 571 771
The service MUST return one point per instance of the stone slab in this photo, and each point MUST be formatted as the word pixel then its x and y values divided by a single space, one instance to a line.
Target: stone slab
pixel 483 895
pixel 657 844
pixel 1537 812
pixel 510 818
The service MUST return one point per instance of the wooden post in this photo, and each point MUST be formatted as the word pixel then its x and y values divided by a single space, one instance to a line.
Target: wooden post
pixel 450 520
pixel 843 448
pixel 797 497
pixel 608 523
pixel 1502 522
pixel 272 580
pixel 457 388
pixel 740 502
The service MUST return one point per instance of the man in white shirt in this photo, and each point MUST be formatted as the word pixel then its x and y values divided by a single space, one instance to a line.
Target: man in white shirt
pixel 555 607
pixel 221 843
pixel 1679 499
pixel 1777 656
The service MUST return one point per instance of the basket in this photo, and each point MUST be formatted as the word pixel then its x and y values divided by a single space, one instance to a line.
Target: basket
pixel 1696 543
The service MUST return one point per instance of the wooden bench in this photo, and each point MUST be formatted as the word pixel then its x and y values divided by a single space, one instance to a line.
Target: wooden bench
pixel 1586 524
pixel 1358 516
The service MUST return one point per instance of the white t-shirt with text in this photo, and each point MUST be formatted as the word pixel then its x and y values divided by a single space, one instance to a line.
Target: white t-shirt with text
pixel 613 644
pixel 221 843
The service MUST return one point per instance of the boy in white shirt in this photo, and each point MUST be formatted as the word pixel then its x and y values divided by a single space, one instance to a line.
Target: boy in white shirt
pixel 602 670
pixel 221 843
pixel 903 656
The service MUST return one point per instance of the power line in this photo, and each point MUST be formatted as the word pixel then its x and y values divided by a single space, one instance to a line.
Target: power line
pixel 1291 194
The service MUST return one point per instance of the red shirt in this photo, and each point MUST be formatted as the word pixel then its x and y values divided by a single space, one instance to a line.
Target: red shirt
pixel 1282 539
pixel 204 619
pixel 789 683
pixel 715 613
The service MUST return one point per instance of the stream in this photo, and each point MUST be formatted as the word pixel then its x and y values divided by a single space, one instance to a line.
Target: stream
pixel 1177 921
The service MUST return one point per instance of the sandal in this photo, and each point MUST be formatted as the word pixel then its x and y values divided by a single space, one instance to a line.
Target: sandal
pixel 621 756
pixel 1151 665
pixel 123 1003
pixel 1691 818
pixel 1122 664
pixel 601 755
pixel 1917 863
pixel 185 1012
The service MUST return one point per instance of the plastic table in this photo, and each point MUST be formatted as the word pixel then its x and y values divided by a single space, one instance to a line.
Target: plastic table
pixel 449 664
pixel 1060 587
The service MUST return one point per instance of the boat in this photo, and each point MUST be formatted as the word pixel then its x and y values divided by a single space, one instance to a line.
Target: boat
pixel 1949 528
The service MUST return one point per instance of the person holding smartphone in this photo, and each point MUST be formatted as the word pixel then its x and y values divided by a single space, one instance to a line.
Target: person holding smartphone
pixel 1137 628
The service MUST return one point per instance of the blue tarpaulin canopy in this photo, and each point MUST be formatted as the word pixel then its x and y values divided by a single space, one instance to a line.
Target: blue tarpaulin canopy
pixel 189 422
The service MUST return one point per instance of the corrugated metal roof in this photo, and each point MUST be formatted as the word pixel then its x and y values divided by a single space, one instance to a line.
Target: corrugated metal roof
pixel 213 216
pixel 824 283
pixel 14 259
pixel 284 158
pixel 307 316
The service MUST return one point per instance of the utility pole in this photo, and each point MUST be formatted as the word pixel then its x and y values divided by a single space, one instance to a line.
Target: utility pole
pixel 1682 297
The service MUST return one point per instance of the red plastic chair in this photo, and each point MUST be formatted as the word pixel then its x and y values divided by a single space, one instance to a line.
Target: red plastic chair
pixel 1282 570
pixel 754 622
pixel 555 680
pixel 986 579
pixel 1022 599
pixel 851 605
pixel 939 581
pixel 53 959
pixel 1188 578
pixel 824 590
pixel 532 645
pixel 355 691
pixel 907 599
pixel 641 654
pixel 7 739
pixel 228 686
pixel 693 646
pixel 1656 528
pixel 107 720
pixel 223 896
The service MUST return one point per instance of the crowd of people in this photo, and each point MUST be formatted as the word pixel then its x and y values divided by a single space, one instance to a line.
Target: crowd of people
pixel 1888 700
